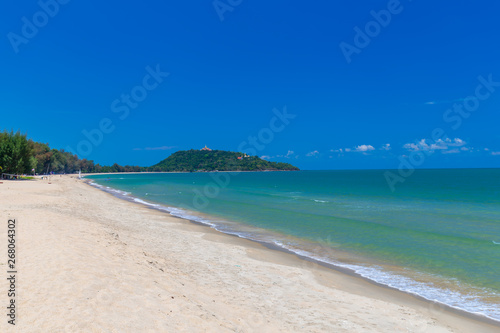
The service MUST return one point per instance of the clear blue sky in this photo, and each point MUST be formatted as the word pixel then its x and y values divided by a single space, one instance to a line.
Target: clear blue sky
pixel 367 110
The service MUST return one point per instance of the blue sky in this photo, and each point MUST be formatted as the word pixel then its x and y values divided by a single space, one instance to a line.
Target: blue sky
pixel 352 100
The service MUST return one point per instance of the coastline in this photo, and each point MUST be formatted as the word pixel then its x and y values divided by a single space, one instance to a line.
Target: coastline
pixel 299 254
pixel 208 280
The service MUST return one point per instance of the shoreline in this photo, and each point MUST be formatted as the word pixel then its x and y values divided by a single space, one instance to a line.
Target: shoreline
pixel 94 262
pixel 329 266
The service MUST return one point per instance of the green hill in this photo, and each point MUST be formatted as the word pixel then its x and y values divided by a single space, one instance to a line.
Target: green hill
pixel 216 160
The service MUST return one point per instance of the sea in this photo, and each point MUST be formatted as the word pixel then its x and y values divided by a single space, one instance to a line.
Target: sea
pixel 437 235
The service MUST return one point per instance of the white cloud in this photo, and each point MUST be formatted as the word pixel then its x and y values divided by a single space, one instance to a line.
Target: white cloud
pixel 411 146
pixel 455 142
pixel 495 153
pixel 440 144
pixel 364 148
pixel 265 157
pixel 313 153
pixel 288 155
pixel 387 146
pixel 359 149
pixel 452 151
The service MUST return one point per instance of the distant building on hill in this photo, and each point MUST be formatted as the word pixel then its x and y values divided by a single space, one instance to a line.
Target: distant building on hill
pixel 206 148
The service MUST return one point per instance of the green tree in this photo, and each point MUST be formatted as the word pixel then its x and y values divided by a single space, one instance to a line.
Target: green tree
pixel 15 153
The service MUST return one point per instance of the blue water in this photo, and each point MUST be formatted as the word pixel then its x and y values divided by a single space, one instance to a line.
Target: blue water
pixel 435 236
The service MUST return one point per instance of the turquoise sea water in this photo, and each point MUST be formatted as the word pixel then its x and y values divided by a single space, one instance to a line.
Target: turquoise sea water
pixel 434 236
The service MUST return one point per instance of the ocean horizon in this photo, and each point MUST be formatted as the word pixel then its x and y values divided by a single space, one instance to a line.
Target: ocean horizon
pixel 436 236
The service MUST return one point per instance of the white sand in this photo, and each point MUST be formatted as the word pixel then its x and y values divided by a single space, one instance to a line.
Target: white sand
pixel 90 262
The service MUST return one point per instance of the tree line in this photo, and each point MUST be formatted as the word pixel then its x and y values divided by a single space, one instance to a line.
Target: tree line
pixel 20 155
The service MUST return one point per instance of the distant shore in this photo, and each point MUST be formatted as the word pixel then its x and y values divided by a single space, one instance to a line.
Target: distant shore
pixel 149 172
pixel 91 261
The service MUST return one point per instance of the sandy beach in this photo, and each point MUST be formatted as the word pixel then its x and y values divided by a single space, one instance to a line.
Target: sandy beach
pixel 90 262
